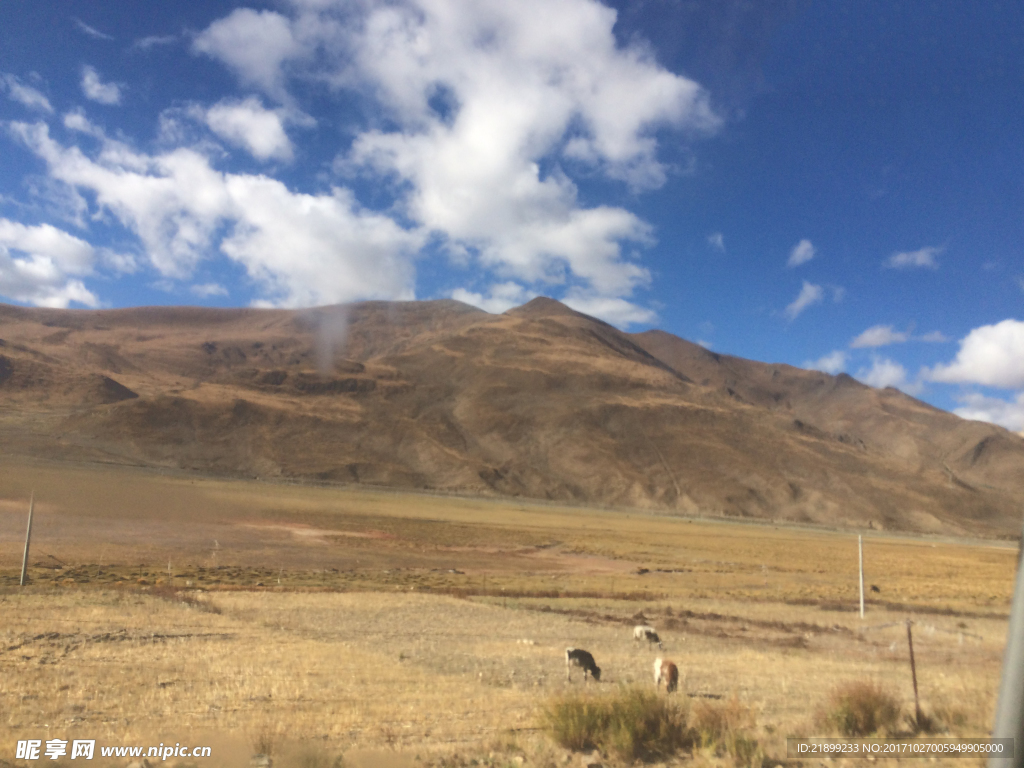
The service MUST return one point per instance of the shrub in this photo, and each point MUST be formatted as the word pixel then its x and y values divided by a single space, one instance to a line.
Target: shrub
pixel 643 724
pixel 576 721
pixel 725 729
pixel 632 723
pixel 860 709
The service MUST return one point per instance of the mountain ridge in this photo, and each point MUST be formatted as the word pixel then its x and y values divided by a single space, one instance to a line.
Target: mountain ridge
pixel 539 402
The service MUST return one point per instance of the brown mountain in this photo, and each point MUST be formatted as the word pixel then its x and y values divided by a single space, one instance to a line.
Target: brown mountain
pixel 540 402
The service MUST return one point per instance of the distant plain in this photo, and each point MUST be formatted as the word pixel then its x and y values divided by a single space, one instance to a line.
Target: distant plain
pixel 351 618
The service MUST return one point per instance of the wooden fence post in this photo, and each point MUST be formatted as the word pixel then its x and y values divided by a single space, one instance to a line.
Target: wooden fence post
pixel 913 674
pixel 860 558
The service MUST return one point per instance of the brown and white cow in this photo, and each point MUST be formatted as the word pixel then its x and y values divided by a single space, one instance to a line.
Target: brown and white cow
pixel 667 671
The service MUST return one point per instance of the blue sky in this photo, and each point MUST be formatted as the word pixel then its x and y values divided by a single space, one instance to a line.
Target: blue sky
pixel 834 185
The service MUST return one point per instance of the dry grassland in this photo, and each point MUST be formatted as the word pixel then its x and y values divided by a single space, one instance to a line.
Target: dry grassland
pixel 325 621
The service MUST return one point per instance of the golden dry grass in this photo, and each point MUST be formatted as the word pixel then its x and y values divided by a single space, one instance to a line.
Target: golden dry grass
pixel 372 642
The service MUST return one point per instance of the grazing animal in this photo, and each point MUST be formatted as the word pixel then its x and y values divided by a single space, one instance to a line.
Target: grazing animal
pixel 577 657
pixel 644 632
pixel 875 589
pixel 667 671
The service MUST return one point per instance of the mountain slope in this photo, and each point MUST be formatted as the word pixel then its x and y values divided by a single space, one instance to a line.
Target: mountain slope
pixel 540 402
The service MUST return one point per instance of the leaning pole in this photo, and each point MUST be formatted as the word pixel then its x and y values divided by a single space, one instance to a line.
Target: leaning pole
pixel 28 538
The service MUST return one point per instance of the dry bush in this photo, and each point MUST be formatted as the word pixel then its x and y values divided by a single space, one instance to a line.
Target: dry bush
pixel 645 725
pixel 725 728
pixel 632 723
pixel 311 756
pixel 576 721
pixel 860 708
pixel 175 595
pixel 264 736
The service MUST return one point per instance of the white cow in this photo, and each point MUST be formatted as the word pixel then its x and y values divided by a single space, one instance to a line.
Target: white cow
pixel 644 632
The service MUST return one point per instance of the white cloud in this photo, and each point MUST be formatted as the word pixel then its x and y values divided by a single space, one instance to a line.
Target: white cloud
pixel 316 249
pixel 809 294
pixel 502 297
pixel 251 126
pixel 301 249
pixel 480 96
pixel 705 344
pixel 41 265
pixel 482 112
pixel 991 409
pixel 77 121
pixel 717 241
pixel 879 336
pixel 925 257
pixel 152 41
pixel 888 373
pixel 834 362
pixel 614 310
pixel 802 253
pixel 25 95
pixel 92 31
pixel 94 88
pixel 205 290
pixel 991 355
pixel 934 337
pixel 255 45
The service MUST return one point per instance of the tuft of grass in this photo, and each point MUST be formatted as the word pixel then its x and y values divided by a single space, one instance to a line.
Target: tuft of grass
pixel 313 756
pixel 724 728
pixel 860 708
pixel 264 737
pixel 632 723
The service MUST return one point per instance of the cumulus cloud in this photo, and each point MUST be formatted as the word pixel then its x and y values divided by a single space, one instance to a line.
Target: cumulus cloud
pixel 479 115
pixel 717 241
pixel 42 265
pixel 879 336
pixel 834 362
pixel 991 355
pixel 501 297
pixel 301 249
pixel 977 407
pixel 802 253
pixel 25 95
pixel 925 257
pixel 248 124
pixel 253 44
pixel 888 373
pixel 809 294
pixel 94 88
pixel 480 96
